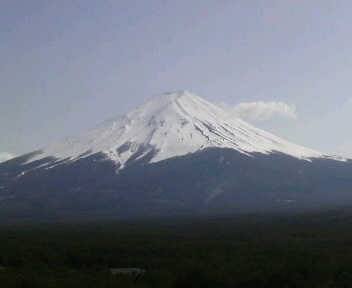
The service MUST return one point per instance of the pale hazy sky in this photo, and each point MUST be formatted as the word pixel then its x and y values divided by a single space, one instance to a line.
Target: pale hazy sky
pixel 67 65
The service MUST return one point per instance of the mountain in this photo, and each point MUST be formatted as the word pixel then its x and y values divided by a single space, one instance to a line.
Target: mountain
pixel 175 153
pixel 169 125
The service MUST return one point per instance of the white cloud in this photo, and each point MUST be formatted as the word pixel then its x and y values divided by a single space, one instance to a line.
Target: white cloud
pixel 4 156
pixel 262 110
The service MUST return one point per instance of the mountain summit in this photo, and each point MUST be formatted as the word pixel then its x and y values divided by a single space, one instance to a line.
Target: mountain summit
pixel 170 125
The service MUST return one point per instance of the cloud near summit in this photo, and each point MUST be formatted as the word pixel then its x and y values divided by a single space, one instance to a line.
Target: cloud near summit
pixel 261 110
pixel 4 156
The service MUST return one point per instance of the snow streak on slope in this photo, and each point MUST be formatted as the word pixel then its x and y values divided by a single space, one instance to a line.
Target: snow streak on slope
pixel 170 125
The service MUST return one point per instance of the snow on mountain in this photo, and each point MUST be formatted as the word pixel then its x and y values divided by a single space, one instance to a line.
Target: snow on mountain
pixel 169 125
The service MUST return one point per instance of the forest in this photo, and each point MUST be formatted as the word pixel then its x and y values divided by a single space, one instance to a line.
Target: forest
pixel 243 251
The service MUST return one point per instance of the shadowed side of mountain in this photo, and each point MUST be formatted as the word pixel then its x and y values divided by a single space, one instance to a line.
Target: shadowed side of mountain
pixel 213 180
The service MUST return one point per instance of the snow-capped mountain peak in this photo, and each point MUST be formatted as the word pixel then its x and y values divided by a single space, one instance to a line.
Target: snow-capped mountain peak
pixel 170 125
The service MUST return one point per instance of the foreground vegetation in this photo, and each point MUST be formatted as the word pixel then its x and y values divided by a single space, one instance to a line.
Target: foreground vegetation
pixel 238 251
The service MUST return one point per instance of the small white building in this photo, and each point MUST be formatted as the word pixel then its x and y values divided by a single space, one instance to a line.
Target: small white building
pixel 127 271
